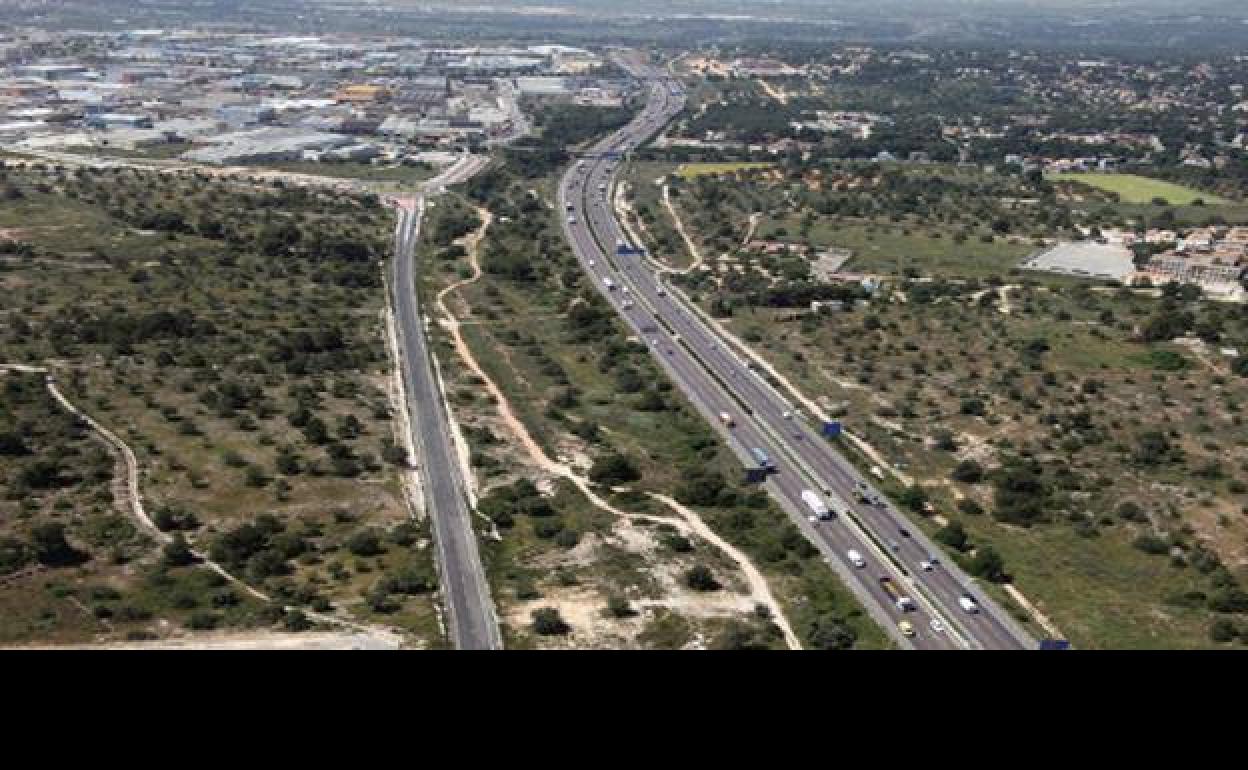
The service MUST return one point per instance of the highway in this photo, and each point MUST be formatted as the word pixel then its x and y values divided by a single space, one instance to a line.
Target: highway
pixel 716 380
pixel 472 619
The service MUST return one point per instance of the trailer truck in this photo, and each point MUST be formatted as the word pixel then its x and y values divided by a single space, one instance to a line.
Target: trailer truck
pixel 903 602
pixel 816 505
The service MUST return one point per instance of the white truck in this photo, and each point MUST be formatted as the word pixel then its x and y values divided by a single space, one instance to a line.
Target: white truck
pixel 816 505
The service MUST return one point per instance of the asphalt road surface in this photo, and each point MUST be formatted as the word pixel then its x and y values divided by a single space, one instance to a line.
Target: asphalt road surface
pixel 471 614
pixel 717 381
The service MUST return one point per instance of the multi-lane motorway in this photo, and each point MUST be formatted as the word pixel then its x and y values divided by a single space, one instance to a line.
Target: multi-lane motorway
pixel 718 381
pixel 472 621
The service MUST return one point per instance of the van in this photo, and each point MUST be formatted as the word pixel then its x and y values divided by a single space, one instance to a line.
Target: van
pixel 856 559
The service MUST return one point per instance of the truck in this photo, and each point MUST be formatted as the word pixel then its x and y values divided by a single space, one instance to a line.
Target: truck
pixel 761 458
pixel 903 602
pixel 726 419
pixel 816 505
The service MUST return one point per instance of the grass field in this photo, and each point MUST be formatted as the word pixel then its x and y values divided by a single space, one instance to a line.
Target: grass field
pixel 1140 189
pixel 881 249
pixel 694 170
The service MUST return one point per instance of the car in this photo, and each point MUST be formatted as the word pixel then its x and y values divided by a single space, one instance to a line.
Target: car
pixel 893 545
pixel 937 626
pixel 788 415
pixel 904 532
pixel 906 628
pixel 926 566
pixel 933 559
pixel 591 263
pixel 855 558
pixel 967 603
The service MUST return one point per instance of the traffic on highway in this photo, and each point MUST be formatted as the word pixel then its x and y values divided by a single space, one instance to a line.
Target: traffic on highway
pixel 896 571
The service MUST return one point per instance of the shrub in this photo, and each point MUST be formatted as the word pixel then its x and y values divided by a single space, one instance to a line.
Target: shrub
pixel 619 607
pixel 700 578
pixel 614 468
pixel 548 622
pixel 365 542
pixel 1151 544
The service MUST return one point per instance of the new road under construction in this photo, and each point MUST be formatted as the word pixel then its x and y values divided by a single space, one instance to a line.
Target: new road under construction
pixel 895 570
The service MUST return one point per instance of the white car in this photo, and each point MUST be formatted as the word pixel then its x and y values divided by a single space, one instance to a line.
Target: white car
pixel 926 566
pixel 968 604
pixel 788 415
pixel 856 559
pixel 591 263
pixel 937 626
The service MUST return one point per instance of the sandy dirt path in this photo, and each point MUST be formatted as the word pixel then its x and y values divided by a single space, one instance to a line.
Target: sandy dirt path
pixel 759 590
pixel 773 92
pixel 680 228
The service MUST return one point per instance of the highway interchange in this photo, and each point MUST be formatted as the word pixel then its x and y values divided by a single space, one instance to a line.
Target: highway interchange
pixel 717 381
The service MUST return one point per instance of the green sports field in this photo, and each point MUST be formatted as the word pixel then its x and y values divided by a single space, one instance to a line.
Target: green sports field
pixel 691 170
pixel 1141 189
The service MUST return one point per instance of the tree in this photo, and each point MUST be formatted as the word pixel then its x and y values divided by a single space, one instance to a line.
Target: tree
pixel 968 472
pixel 700 578
pixel 12 445
pixel 51 548
pixel 177 552
pixel 1152 448
pixel 614 468
pixel 953 535
pixel 973 407
pixel 988 564
pixel 1020 495
pixel 13 555
pixel 1229 600
pixel 296 620
pixel 619 607
pixel 393 453
pixel 913 497
pixel 944 440
pixel 364 543
pixel 830 634
pixel 1223 630
pixel 548 622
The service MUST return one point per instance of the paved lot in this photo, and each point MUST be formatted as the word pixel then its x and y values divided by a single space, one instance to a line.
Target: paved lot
pixel 1085 258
